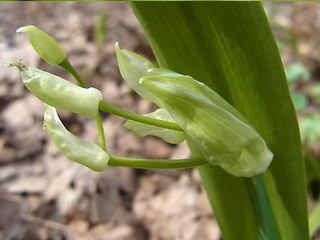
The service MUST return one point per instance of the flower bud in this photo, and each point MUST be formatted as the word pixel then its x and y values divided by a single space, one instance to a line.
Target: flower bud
pixel 59 92
pixel 46 47
pixel 168 135
pixel 81 151
pixel 218 130
pixel 133 67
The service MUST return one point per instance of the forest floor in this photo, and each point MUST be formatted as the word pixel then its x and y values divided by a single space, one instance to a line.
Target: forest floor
pixel 43 195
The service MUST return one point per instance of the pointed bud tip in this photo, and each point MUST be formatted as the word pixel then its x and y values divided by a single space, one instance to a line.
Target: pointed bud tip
pixel 142 80
pixel 146 80
pixel 117 48
pixel 46 47
pixel 22 29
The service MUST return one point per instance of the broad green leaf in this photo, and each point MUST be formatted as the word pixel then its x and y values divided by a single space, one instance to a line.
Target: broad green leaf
pixel 142 130
pixel 230 47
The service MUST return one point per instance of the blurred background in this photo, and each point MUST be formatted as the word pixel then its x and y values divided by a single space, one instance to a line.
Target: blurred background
pixel 45 196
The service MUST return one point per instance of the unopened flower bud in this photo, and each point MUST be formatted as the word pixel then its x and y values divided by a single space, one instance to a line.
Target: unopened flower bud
pixel 168 135
pixel 46 47
pixel 218 129
pixel 60 93
pixel 81 151
pixel 133 67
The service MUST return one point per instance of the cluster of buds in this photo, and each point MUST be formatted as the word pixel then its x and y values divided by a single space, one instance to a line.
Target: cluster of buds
pixel 221 134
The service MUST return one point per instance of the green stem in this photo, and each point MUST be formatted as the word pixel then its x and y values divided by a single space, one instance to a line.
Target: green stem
pixel 107 107
pixel 266 210
pixel 102 140
pixel 155 163
pixel 67 65
pixel 257 209
pixel 260 202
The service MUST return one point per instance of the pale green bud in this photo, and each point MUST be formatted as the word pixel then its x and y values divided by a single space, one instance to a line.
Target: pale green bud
pixel 46 47
pixel 133 67
pixel 197 88
pixel 59 92
pixel 168 135
pixel 217 129
pixel 81 151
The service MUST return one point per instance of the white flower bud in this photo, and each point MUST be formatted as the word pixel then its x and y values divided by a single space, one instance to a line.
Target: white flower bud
pixel 82 151
pixel 60 93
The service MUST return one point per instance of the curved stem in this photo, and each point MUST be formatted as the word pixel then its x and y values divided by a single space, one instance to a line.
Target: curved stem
pixel 107 107
pixel 155 163
pixel 67 65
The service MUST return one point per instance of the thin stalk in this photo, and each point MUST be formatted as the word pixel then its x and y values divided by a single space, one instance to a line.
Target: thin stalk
pixel 266 210
pixel 107 107
pixel 102 140
pixel 267 229
pixel 155 163
pixel 257 210
pixel 67 65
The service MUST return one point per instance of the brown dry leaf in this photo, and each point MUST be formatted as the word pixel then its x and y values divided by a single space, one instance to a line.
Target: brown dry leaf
pixel 111 231
pixel 174 211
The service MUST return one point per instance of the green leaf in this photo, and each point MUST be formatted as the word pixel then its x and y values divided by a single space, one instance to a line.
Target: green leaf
pixel 46 47
pixel 142 130
pixel 230 47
